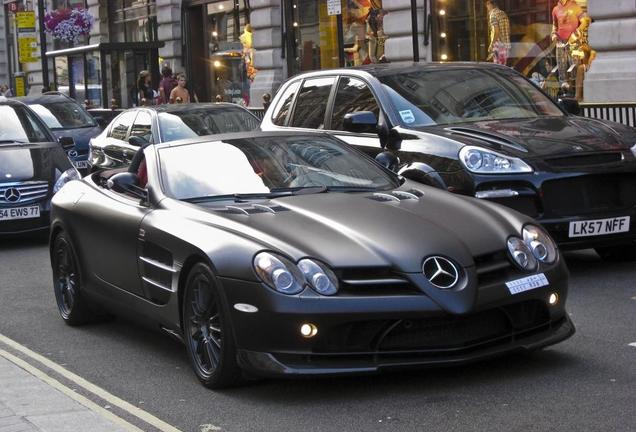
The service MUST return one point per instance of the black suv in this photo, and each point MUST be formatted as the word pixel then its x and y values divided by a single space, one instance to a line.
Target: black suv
pixel 481 130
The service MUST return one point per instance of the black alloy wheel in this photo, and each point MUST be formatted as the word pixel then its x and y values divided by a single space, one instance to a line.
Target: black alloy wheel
pixel 73 308
pixel 207 331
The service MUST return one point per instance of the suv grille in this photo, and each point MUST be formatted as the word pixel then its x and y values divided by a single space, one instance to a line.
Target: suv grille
pixel 27 192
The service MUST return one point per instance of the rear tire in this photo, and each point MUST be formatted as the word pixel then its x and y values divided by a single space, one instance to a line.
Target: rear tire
pixel 617 253
pixel 208 331
pixel 74 308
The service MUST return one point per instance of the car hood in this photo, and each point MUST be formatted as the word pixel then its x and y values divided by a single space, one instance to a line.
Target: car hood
pixel 542 137
pixel 81 136
pixel 32 162
pixel 353 230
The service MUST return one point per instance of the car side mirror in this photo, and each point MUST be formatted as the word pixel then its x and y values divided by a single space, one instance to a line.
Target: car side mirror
pixel 360 122
pixel 67 143
pixel 127 182
pixel 137 141
pixel 570 105
pixel 388 160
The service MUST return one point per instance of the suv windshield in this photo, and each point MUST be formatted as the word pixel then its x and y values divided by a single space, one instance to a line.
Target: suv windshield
pixel 205 121
pixel 265 165
pixel 63 115
pixel 20 125
pixel 443 97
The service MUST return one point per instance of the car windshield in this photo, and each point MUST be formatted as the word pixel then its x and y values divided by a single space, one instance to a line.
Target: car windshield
pixel 446 97
pixel 20 125
pixel 268 165
pixel 205 121
pixel 63 115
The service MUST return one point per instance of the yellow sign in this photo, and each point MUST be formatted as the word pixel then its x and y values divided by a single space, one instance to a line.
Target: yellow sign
pixel 19 86
pixel 27 47
pixel 25 21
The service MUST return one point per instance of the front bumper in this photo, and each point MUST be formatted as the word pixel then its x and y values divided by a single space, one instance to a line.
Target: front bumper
pixel 363 334
pixel 25 226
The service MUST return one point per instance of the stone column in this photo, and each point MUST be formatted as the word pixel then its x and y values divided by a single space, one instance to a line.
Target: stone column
pixel 612 77
pixel 99 10
pixel 265 18
pixel 397 26
pixel 169 31
pixel 4 64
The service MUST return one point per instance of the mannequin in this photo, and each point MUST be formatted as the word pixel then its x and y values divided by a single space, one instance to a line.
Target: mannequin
pixel 355 51
pixel 569 28
pixel 375 34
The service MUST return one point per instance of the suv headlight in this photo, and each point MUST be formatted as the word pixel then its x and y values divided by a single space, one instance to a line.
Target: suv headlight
pixel 319 276
pixel 482 161
pixel 540 243
pixel 521 254
pixel 67 176
pixel 278 273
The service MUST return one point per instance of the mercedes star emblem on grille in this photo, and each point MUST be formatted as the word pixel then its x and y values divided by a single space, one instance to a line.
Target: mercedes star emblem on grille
pixel 12 195
pixel 441 272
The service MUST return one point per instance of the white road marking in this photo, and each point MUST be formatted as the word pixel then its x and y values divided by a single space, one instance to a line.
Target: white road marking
pixel 633 344
pixel 90 387
pixel 70 393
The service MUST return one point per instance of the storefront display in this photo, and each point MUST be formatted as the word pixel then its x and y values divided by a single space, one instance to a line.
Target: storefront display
pixel 547 41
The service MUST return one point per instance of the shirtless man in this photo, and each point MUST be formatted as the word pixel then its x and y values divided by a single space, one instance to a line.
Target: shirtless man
pixel 180 91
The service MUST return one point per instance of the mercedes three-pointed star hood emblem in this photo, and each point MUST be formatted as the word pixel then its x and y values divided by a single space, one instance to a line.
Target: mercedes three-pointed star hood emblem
pixel 441 272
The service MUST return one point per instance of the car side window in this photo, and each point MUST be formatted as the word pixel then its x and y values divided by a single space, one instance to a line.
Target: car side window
pixel 311 103
pixel 352 95
pixel 121 125
pixel 142 127
pixel 281 113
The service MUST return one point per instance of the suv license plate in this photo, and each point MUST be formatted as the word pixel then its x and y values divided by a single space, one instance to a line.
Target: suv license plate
pixel 599 227
pixel 19 213
pixel 80 164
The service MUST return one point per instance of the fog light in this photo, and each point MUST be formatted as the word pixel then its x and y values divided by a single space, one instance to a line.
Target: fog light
pixel 553 299
pixel 308 330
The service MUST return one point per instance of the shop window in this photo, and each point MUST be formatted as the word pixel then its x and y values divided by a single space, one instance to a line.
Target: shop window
pixel 282 110
pixel 352 95
pixel 311 103
pixel 121 126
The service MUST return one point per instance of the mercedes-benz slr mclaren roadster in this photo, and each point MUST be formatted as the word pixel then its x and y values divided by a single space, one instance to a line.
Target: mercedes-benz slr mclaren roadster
pixel 295 254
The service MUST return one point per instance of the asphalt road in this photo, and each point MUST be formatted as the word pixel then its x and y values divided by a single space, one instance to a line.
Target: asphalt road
pixel 587 383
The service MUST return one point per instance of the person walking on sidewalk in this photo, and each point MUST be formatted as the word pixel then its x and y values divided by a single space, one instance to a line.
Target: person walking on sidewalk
pixel 499 27
pixel 180 91
pixel 167 83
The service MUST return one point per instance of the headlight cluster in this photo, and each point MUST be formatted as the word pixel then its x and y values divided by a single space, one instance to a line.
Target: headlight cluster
pixel 286 277
pixel 67 176
pixel 536 246
pixel 483 161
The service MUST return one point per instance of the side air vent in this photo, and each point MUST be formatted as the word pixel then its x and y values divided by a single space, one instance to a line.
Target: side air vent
pixel 251 209
pixel 485 136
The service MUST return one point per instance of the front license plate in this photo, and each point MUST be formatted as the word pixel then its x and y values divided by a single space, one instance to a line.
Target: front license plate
pixel 527 283
pixel 599 227
pixel 19 213
pixel 80 164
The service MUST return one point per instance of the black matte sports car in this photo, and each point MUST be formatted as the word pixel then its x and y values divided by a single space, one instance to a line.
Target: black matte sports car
pixel 480 130
pixel 33 166
pixel 289 254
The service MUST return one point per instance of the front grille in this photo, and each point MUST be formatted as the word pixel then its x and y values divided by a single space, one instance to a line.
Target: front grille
pixel 453 332
pixel 585 160
pixel 374 282
pixel 28 192
pixel 589 194
pixel 492 269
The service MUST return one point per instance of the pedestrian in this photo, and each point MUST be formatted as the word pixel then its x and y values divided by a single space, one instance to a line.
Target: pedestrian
pixel 145 94
pixel 499 28
pixel 267 100
pixel 168 82
pixel 5 91
pixel 180 91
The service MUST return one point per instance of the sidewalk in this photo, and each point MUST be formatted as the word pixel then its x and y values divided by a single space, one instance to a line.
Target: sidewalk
pixel 28 404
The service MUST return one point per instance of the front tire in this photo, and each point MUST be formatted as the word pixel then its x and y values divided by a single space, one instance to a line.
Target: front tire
pixel 73 307
pixel 617 253
pixel 208 331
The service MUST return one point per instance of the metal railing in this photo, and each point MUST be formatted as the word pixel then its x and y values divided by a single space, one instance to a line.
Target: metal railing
pixel 258 112
pixel 619 112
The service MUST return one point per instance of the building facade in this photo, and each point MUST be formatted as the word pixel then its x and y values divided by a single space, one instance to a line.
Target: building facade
pixel 238 50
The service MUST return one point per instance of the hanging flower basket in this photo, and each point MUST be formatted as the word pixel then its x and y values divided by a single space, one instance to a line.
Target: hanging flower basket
pixel 68 25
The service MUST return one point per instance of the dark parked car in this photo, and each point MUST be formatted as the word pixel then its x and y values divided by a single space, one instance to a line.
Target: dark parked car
pixel 481 130
pixel 133 128
pixel 290 254
pixel 33 167
pixel 69 122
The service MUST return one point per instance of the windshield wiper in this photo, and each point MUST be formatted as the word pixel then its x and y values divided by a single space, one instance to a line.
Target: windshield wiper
pixel 13 142
pixel 352 189
pixel 301 190
pixel 238 197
